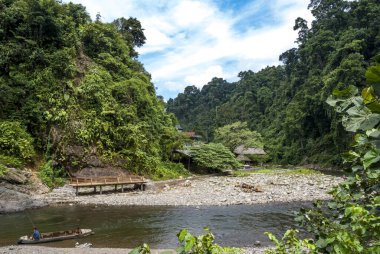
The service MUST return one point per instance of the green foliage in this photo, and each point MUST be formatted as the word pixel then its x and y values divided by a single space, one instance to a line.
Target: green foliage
pixel 290 244
pixel 203 244
pixel 268 170
pixel 191 244
pixel 16 145
pixel 241 173
pixel 51 177
pixel 260 159
pixel 350 223
pixel 297 171
pixel 214 156
pixel 3 170
pixel 10 161
pixel 303 171
pixel 169 170
pixel 287 104
pixel 77 86
pixel 143 249
pixel 236 134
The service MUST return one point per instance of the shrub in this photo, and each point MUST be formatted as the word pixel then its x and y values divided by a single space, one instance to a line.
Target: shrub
pixel 203 244
pixel 290 244
pixel 169 170
pixel 15 141
pixel 191 244
pixel 51 177
pixel 214 156
pixel 10 161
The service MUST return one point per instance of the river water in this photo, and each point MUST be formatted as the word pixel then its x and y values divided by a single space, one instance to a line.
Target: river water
pixel 129 226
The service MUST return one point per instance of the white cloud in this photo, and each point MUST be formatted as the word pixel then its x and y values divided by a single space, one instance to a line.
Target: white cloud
pixel 204 76
pixel 191 41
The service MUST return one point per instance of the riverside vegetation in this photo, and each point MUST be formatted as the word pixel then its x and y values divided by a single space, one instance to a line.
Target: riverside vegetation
pixel 286 104
pixel 73 95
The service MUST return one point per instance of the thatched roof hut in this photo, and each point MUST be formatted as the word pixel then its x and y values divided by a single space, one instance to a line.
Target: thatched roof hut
pixel 242 150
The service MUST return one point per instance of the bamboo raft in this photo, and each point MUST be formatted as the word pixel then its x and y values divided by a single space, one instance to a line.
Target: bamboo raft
pixel 95 182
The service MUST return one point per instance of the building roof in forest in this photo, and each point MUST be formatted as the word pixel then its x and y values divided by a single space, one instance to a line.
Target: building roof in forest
pixel 249 150
pixel 184 152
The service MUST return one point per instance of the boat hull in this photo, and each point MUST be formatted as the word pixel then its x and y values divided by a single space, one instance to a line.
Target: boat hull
pixel 49 237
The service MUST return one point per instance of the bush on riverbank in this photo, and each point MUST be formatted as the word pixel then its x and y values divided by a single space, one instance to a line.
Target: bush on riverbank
pixel 51 177
pixel 16 145
pixel 169 170
pixel 214 156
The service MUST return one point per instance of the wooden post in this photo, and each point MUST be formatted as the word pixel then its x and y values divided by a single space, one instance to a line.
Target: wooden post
pixel 122 188
pixel 76 191
pixel 115 187
pixel 94 189
pixel 100 189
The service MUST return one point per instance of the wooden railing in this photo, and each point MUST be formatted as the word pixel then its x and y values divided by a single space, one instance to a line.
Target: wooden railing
pixel 106 180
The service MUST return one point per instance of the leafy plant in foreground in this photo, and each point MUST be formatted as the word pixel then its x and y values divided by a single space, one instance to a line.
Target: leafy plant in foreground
pixel 350 223
pixel 191 244
pixel 290 244
pixel 203 244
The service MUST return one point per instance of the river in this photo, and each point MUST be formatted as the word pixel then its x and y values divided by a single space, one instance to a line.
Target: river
pixel 128 226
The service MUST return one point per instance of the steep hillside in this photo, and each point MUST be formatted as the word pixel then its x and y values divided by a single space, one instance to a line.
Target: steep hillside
pixel 286 104
pixel 77 92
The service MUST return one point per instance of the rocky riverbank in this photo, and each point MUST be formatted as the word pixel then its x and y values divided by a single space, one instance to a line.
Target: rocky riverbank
pixel 18 190
pixel 256 188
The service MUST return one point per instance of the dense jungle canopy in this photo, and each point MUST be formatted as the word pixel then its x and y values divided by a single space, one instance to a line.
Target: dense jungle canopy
pixel 74 95
pixel 286 104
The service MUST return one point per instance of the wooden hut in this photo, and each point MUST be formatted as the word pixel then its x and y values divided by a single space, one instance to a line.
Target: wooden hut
pixel 243 153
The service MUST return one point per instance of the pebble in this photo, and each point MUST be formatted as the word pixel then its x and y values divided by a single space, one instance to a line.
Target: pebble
pixel 212 190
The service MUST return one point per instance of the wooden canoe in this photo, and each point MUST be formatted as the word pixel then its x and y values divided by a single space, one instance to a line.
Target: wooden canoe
pixel 56 236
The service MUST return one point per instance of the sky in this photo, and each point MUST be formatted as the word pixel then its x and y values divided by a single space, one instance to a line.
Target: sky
pixel 191 41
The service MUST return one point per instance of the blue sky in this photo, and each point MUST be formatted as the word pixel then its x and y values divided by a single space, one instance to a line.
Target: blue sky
pixel 191 41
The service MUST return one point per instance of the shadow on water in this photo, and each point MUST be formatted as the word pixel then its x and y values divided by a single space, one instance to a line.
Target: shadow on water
pixel 129 226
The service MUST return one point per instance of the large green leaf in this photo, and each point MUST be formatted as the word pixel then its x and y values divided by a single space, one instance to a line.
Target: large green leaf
pixel 350 91
pixel 360 118
pixel 370 99
pixel 342 104
pixel 373 75
pixel 373 78
pixel 373 133
pixel 370 157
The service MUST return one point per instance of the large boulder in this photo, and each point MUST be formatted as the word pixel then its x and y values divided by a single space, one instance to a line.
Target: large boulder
pixel 16 176
pixel 14 201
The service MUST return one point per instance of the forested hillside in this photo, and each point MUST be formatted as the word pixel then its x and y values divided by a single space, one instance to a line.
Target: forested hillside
pixel 287 103
pixel 74 95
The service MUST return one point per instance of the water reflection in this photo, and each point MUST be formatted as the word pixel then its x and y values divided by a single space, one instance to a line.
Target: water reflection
pixel 130 226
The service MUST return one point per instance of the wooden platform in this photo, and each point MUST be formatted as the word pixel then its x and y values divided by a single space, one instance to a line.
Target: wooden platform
pixel 107 181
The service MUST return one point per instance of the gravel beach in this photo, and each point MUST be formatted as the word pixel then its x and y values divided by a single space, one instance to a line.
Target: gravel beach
pixel 259 188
